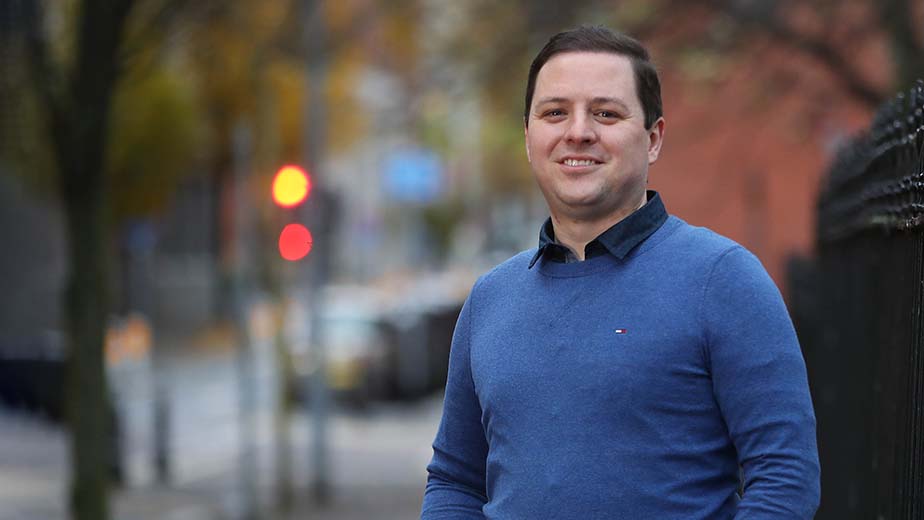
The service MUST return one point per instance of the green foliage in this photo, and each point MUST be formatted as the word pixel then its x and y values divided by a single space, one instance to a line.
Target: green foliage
pixel 701 64
pixel 432 129
pixel 440 221
pixel 506 169
pixel 632 13
pixel 25 148
pixel 155 135
pixel 154 132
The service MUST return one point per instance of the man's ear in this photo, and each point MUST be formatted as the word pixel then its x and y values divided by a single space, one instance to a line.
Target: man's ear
pixel 526 140
pixel 655 139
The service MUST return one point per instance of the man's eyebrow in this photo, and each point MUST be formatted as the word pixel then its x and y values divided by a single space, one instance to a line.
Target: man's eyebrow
pixel 599 100
pixel 551 100
pixel 605 100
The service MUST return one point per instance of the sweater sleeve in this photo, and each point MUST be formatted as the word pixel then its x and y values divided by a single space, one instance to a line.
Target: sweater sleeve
pixel 760 384
pixel 456 473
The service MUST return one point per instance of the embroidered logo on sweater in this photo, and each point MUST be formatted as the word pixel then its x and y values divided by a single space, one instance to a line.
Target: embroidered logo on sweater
pixel 620 331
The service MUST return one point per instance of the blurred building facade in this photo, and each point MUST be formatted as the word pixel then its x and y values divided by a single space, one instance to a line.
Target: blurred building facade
pixel 745 151
pixel 32 264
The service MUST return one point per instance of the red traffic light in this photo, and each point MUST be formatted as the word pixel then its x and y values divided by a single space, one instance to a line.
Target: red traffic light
pixel 291 186
pixel 294 242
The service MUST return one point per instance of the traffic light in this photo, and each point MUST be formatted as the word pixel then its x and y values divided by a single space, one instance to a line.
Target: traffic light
pixel 294 242
pixel 291 187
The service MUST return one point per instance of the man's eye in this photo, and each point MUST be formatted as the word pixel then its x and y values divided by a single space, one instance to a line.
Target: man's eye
pixel 555 113
pixel 607 114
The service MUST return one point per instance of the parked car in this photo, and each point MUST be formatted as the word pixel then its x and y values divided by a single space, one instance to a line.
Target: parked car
pixel 388 340
pixel 354 352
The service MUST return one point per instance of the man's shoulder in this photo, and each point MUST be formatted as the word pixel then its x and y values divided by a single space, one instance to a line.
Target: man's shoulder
pixel 715 254
pixel 509 270
pixel 697 242
pixel 509 273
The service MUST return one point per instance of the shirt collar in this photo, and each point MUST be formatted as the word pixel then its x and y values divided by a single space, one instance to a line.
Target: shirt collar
pixel 618 240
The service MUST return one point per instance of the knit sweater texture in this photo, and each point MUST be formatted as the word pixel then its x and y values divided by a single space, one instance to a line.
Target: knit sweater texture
pixel 626 389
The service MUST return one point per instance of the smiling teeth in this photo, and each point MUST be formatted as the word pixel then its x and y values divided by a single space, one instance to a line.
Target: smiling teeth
pixel 575 162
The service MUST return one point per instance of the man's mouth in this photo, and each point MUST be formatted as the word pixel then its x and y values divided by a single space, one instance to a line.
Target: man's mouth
pixel 580 162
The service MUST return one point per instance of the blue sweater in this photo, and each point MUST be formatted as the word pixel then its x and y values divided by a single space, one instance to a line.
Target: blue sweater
pixel 626 389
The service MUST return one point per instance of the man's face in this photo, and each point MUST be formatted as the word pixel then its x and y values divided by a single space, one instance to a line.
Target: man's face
pixel 586 139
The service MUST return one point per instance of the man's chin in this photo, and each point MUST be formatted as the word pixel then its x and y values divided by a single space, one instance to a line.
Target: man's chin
pixel 582 208
pixel 592 207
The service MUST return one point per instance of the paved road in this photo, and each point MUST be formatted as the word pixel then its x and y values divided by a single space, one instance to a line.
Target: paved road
pixel 377 458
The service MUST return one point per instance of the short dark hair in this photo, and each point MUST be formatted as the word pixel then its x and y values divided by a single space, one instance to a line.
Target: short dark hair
pixel 601 39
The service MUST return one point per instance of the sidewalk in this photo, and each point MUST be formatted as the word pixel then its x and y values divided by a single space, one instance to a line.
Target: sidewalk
pixel 377 459
pixel 379 503
pixel 365 503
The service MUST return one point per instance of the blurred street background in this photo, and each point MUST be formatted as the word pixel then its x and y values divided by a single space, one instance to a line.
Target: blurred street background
pixel 167 351
pixel 377 456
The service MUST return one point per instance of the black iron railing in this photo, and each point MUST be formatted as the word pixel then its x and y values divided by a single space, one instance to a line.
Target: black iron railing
pixel 859 310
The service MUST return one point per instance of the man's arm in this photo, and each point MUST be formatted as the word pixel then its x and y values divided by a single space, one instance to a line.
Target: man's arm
pixel 760 384
pixel 456 481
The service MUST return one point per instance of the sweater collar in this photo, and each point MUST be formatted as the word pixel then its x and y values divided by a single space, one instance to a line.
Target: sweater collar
pixel 618 240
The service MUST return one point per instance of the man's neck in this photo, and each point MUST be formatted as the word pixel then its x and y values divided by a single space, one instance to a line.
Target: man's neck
pixel 575 234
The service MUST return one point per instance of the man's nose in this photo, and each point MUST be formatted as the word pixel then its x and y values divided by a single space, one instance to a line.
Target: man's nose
pixel 581 130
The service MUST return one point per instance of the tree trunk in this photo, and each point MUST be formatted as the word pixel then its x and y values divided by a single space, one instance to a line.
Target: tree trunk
pixel 85 311
pixel 79 125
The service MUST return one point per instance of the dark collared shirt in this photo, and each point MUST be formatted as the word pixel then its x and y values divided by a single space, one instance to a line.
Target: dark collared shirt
pixel 618 240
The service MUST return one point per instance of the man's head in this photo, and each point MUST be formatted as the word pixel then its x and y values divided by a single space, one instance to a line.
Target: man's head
pixel 589 137
pixel 603 40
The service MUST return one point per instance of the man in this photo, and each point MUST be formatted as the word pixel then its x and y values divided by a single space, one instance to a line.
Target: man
pixel 630 364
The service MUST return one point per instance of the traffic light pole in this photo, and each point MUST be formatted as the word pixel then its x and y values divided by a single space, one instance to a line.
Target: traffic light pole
pixel 314 132
pixel 246 384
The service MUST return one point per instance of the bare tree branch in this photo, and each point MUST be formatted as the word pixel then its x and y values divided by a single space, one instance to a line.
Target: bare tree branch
pixel 853 81
pixel 146 40
pixel 896 16
pixel 292 48
pixel 822 51
pixel 46 76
